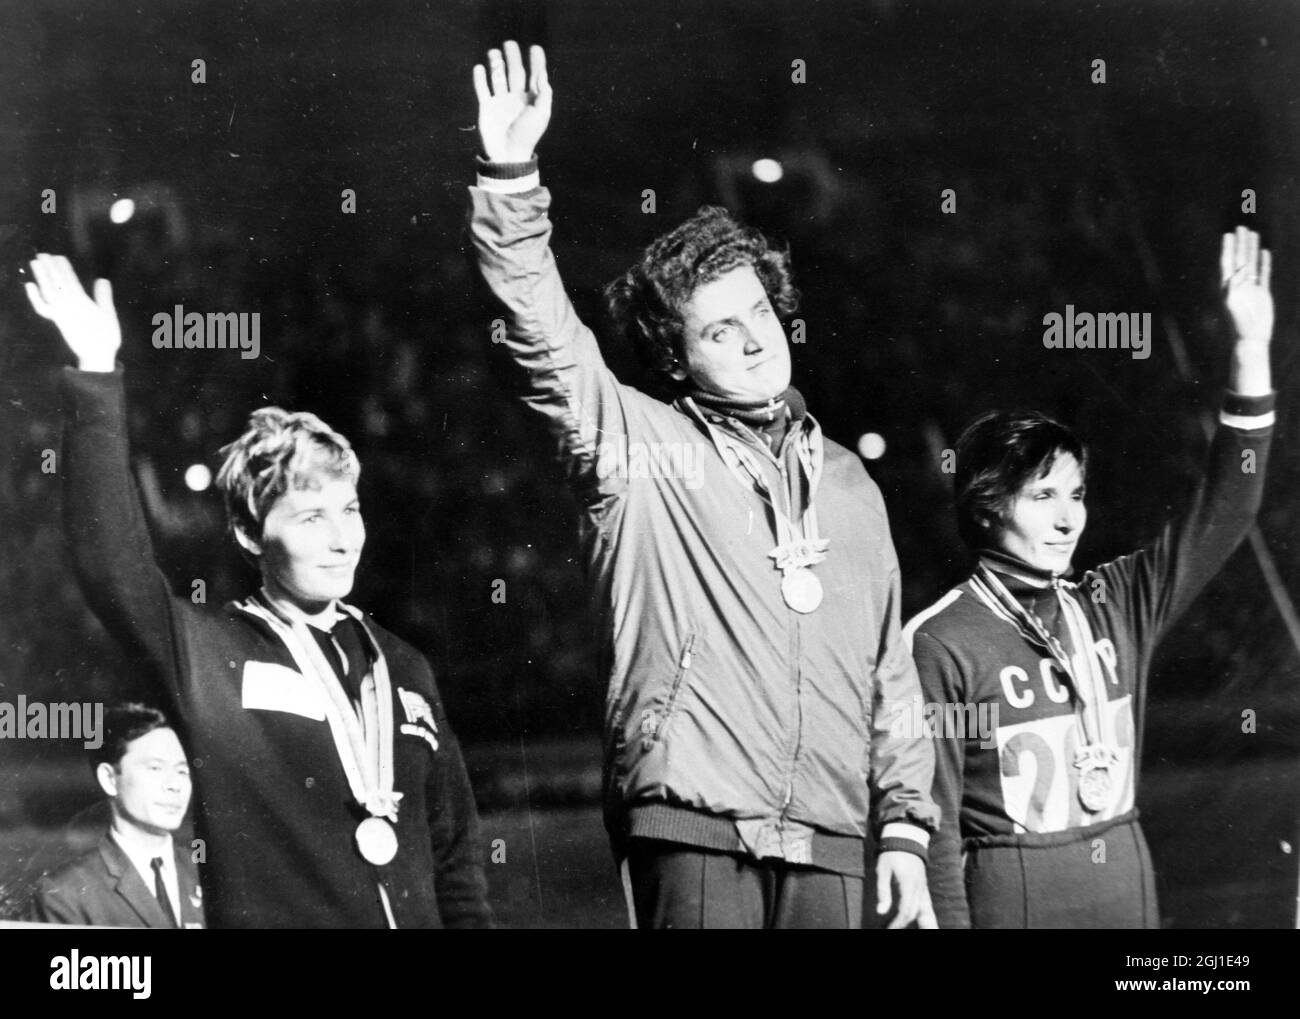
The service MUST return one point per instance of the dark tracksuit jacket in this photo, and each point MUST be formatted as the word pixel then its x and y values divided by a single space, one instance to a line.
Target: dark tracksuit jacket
pixel 1033 857
pixel 272 803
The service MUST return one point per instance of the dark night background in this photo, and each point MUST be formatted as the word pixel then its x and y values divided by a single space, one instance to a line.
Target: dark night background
pixel 1108 197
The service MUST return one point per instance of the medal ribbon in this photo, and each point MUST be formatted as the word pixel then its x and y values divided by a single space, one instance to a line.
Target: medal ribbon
pixel 365 745
pixel 744 467
pixel 1085 673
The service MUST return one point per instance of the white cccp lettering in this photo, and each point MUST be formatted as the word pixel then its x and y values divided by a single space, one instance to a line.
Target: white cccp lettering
pixel 1056 693
pixel 1016 698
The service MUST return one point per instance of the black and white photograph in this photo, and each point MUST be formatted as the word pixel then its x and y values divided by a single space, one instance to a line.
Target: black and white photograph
pixel 576 464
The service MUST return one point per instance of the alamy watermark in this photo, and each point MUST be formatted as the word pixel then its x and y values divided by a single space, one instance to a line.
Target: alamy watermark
pixel 1106 331
pixel 37 720
pixel 77 972
pixel 181 330
pixel 914 719
pixel 684 461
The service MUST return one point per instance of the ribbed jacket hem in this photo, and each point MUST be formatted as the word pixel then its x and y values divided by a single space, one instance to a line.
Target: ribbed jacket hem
pixel 840 854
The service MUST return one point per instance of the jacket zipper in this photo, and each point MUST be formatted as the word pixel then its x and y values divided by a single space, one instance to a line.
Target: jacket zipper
pixel 797 676
pixel 796 672
pixel 651 726
pixel 683 664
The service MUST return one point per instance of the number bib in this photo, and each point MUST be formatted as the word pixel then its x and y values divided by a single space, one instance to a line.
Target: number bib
pixel 1043 790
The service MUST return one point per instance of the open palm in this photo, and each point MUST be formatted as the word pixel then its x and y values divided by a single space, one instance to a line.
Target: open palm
pixel 89 327
pixel 513 108
pixel 1245 271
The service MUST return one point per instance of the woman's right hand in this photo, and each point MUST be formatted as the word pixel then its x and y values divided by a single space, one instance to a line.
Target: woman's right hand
pixel 89 327
pixel 511 117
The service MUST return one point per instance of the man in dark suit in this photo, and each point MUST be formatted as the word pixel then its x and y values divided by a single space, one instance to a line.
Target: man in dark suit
pixel 137 876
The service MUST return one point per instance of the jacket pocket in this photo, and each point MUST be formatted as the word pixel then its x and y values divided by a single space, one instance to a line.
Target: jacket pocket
pixel 653 722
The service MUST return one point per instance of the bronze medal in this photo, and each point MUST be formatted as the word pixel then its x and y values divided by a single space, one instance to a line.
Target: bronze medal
pixel 1095 789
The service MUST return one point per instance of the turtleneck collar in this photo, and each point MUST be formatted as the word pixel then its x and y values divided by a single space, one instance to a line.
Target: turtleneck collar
pixel 1027 584
pixel 752 412
pixel 1003 562
pixel 770 418
pixel 1017 574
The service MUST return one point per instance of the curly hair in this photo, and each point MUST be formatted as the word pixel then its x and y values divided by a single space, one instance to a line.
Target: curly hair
pixel 997 455
pixel 646 302
pixel 279 451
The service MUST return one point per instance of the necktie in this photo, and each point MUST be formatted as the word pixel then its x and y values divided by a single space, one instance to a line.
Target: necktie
pixel 344 637
pixel 160 890
pixel 349 641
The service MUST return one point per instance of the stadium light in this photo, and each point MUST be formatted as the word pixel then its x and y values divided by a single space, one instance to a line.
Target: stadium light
pixel 769 171
pixel 871 446
pixel 121 210
pixel 198 478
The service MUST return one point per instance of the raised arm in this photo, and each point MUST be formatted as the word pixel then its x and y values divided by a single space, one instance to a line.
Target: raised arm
pixel 566 379
pixel 104 526
pixel 1155 585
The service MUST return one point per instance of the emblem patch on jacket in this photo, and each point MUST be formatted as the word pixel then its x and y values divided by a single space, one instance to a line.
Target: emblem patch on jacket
pixel 419 717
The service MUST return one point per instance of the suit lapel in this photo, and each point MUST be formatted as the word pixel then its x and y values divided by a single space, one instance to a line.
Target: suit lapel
pixel 130 886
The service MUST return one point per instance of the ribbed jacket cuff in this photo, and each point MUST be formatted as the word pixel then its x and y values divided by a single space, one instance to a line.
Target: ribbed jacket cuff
pixel 901 837
pixel 508 178
pixel 1247 412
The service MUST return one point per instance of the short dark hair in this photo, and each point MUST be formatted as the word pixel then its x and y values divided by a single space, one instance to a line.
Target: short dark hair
pixel 997 455
pixel 123 725
pixel 646 302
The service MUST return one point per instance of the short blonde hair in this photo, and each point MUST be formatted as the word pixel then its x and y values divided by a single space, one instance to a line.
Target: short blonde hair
pixel 279 451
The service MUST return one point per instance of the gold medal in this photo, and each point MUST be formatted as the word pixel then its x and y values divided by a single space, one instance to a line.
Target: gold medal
pixel 801 589
pixel 377 841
